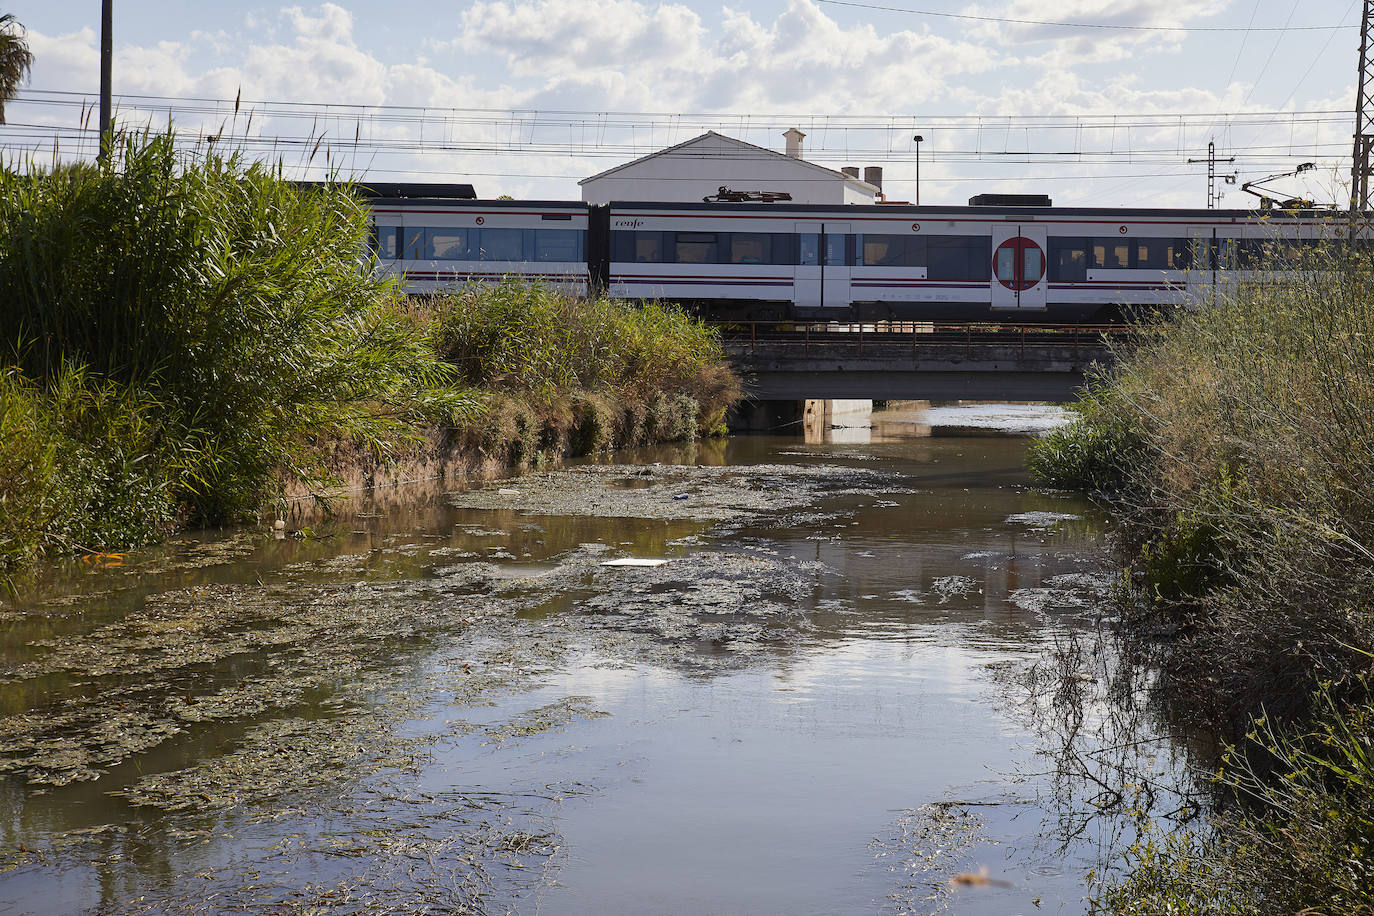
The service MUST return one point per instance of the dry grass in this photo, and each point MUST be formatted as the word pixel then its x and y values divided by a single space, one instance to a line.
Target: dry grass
pixel 1239 449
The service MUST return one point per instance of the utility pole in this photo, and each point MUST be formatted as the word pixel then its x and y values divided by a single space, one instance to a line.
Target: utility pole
pixel 106 60
pixel 1213 198
pixel 1364 120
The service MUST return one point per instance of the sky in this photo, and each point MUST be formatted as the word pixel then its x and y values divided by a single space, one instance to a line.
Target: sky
pixel 1103 106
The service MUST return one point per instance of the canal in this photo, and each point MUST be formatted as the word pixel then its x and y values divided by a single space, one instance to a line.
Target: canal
pixel 790 673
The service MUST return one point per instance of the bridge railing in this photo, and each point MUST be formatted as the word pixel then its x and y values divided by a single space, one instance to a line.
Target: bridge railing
pixel 887 336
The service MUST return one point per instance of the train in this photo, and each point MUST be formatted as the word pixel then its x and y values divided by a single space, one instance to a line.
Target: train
pixel 1002 258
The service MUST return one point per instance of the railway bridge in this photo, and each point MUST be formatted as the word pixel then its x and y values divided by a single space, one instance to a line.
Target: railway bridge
pixel 938 361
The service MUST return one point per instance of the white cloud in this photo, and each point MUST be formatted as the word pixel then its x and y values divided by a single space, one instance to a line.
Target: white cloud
pixel 656 56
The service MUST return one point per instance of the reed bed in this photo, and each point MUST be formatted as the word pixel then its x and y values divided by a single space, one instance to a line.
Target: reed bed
pixel 1237 446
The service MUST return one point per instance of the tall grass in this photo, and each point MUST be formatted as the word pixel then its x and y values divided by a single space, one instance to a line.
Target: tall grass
pixel 535 338
pixel 554 351
pixel 219 319
pixel 1238 447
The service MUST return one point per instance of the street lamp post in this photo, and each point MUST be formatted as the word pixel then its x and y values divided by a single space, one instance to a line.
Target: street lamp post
pixel 106 56
pixel 918 138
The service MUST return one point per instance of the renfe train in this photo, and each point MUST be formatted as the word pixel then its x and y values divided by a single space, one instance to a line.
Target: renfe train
pixel 846 262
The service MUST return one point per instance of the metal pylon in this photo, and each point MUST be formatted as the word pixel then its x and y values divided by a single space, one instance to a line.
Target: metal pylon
pixel 1360 170
pixel 1213 197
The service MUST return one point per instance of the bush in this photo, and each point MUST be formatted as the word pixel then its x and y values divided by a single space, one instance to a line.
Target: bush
pixel 536 339
pixel 574 363
pixel 1100 451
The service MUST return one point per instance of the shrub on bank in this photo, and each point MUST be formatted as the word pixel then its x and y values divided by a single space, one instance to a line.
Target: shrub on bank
pixel 1239 447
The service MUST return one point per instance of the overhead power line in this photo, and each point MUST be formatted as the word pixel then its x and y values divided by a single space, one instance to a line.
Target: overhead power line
pixel 626 118
pixel 1087 25
pixel 350 142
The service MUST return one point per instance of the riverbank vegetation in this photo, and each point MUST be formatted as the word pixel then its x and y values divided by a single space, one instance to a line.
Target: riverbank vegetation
pixel 184 340
pixel 1237 446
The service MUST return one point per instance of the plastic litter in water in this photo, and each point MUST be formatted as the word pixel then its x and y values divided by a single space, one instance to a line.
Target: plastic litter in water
pixel 634 561
pixel 507 491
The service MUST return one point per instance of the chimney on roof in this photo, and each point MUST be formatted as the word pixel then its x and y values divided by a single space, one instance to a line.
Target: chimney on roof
pixel 794 142
pixel 851 170
pixel 873 174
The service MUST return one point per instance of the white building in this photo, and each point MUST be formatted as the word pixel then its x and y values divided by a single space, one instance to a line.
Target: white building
pixel 700 167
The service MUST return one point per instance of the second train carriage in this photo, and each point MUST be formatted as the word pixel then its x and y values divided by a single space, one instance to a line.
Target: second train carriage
pixel 437 244
pixel 853 262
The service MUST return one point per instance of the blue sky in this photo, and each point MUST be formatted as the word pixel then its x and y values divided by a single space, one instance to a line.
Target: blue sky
pixel 526 96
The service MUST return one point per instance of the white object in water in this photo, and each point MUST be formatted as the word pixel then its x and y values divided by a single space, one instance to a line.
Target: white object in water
pixel 506 491
pixel 634 561
pixel 279 525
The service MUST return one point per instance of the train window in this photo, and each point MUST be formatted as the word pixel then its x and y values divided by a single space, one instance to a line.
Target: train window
pixel 893 251
pixel 446 245
pixel 695 248
pixel 413 244
pixel 557 245
pixel 809 244
pixel 1271 254
pixel 1158 254
pixel 1181 254
pixel 784 248
pixel 499 245
pixel 637 247
pixel 837 249
pixel 958 257
pixel 388 240
pixel 1202 253
pixel 1111 254
pixel 750 248
pixel 1068 259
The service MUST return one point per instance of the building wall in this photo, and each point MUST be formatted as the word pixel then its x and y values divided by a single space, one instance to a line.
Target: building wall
pixel 694 172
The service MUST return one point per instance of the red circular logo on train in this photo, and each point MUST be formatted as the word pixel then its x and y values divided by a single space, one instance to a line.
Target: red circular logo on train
pixel 1018 263
pixel 481 220
pixel 915 227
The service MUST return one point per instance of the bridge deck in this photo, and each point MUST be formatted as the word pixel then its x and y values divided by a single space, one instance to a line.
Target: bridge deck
pixel 935 360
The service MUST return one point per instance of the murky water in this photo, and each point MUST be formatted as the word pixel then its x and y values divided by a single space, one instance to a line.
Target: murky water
pixel 814 706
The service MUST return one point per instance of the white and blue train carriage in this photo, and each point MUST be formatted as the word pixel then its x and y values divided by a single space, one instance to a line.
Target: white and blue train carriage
pixel 434 244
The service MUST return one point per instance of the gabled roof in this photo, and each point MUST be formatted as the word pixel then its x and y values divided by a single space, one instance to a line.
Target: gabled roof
pixel 750 148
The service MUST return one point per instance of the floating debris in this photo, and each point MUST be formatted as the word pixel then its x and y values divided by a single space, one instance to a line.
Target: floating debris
pixel 1042 520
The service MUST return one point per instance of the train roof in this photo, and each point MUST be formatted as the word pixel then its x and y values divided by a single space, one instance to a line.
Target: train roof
pixel 574 205
pixel 399 189
pixel 1027 213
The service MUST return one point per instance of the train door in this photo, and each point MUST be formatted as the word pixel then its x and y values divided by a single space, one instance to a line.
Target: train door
pixel 1203 255
pixel 1018 266
pixel 806 284
pixel 836 270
